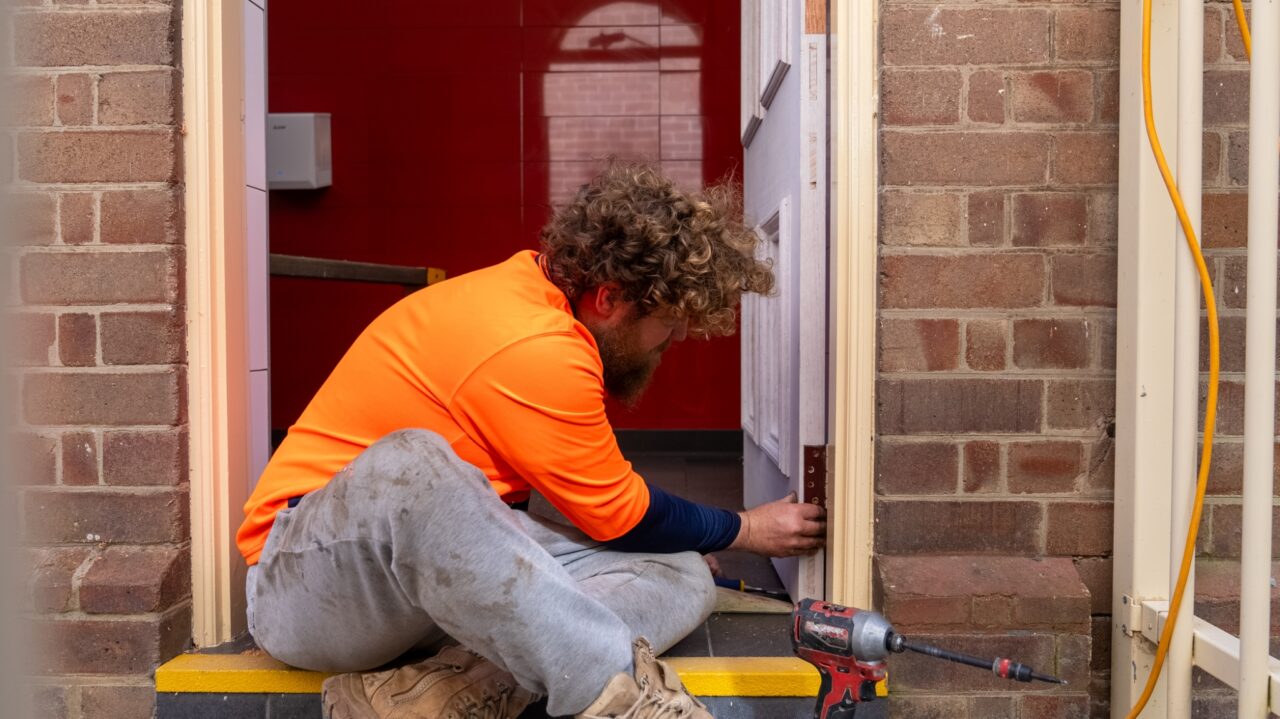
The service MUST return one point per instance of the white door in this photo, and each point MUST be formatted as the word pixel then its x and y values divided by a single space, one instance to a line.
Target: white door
pixel 784 336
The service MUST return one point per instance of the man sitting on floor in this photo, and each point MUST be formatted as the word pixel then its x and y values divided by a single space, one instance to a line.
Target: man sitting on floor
pixel 391 518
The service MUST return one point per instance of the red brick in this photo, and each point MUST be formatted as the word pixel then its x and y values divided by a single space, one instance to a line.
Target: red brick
pixel 1226 469
pixel 35 459
pixel 34 218
pixel 32 97
pixel 141 217
pixel 1095 572
pixel 1225 219
pixel 1047 219
pixel 920 219
pixel 1238 159
pixel 1100 641
pixel 1232 288
pixel 144 457
pixel 135 580
pixel 77 340
pixel 964 281
pixel 99 156
pixel 1211 158
pixel 985 344
pixel 986 96
pixel 1084 280
pixel 1055 706
pixel 49 702
pixel 1224 539
pixel 1078 528
pixel 986 219
pixel 1087 35
pixel 100 278
pixel 969 159
pixel 920 97
pixel 1081 404
pixel 958 527
pixel 118 702
pixel 1212 35
pixel 51 572
pixel 1086 158
pixel 51 39
pixel 1102 466
pixel 74 99
pixel 111 516
pixel 1058 96
pixel 958 405
pixel 1045 467
pixel 1234 42
pixel 111 646
pixel 1108 84
pixel 919 345
pixel 1218 594
pixel 36 333
pixel 964 36
pixel 916 467
pixel 104 399
pixel 1103 219
pixel 79 458
pixel 924 705
pixel 1226 97
pixel 981 467
pixel 138 98
pixel 78 211
pixel 1231 336
pixel 142 337
pixel 1051 344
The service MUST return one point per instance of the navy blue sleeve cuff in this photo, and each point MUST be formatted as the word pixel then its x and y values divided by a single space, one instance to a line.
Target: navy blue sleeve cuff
pixel 673 524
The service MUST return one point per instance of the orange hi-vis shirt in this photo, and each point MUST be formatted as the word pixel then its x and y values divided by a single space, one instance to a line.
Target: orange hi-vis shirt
pixel 493 361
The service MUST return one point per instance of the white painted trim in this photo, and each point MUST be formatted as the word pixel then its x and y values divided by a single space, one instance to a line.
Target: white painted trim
pixel 1144 355
pixel 217 350
pixel 854 281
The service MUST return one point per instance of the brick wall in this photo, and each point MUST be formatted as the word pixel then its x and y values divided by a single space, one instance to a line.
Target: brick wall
pixel 98 277
pixel 997 294
pixel 996 338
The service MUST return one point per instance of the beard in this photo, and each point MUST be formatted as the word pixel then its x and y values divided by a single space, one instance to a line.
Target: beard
pixel 627 370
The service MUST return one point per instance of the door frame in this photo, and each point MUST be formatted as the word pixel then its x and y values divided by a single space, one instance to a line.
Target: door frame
pixel 217 312
pixel 854 190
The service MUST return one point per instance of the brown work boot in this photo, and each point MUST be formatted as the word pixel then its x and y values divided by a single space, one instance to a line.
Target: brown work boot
pixel 454 684
pixel 655 692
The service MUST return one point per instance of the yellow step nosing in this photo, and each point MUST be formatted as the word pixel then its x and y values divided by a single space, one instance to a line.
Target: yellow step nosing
pixel 704 676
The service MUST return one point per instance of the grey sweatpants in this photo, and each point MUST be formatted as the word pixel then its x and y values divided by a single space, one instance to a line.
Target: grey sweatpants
pixel 409 543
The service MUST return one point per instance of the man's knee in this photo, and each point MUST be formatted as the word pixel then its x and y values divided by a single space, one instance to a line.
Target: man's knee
pixel 697 582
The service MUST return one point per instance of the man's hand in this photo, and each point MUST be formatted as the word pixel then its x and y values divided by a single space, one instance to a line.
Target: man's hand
pixel 782 528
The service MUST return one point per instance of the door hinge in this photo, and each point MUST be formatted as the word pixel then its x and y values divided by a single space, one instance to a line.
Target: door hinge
pixel 816 471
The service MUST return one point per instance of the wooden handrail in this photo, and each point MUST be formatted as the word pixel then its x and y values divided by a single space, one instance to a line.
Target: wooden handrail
pixel 320 268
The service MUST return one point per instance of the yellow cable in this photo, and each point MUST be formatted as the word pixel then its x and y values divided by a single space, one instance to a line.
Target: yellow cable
pixel 1244 29
pixel 1211 403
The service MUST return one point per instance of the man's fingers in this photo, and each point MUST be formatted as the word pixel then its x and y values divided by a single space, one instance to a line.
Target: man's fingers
pixel 814 529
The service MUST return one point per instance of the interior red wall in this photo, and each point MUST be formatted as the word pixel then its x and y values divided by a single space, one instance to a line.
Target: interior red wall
pixel 456 125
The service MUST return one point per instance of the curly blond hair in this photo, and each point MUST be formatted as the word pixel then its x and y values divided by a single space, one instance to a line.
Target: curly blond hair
pixel 689 252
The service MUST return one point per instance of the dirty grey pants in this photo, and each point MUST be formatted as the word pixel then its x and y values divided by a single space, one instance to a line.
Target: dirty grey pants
pixel 409 543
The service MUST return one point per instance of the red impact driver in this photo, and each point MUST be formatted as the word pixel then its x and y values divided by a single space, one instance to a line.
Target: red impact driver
pixel 848 646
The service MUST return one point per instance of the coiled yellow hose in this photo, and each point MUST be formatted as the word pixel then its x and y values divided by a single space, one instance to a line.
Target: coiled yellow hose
pixel 1211 402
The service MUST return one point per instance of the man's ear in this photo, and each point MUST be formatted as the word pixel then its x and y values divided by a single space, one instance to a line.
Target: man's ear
pixel 606 300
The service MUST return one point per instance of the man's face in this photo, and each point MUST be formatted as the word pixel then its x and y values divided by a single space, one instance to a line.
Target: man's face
pixel 631 350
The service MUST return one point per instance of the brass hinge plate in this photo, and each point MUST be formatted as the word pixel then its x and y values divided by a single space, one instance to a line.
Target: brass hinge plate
pixel 813 485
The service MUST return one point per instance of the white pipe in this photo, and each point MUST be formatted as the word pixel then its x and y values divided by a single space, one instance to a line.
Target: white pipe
pixel 1260 359
pixel 1186 359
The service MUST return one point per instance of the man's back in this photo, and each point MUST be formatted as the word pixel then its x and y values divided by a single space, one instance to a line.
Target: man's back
pixel 493 361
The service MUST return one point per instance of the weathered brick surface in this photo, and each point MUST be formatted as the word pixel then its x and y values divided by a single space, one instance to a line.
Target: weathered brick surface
pixel 78 339
pixel 35 333
pixel 921 97
pixel 964 36
pixel 959 405
pixel 91 517
pixel 140 217
pixel 971 159
pixel 1052 97
pixel 78 215
pixel 138 98
pixel 963 281
pixel 142 338
pixel 79 458
pixel 985 344
pixel 100 277
pixel 981 467
pixel 112 646
pixel 144 457
pixel 916 467
pixel 136 580
pixel 986 219
pixel 1045 467
pixel 1051 344
pixel 126 37
pixel 74 99
pixel 955 527
pixel 104 399
pixel 1049 219
pixel 924 219
pixel 50 586
pixel 118 702
pixel 910 344
pixel 99 156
